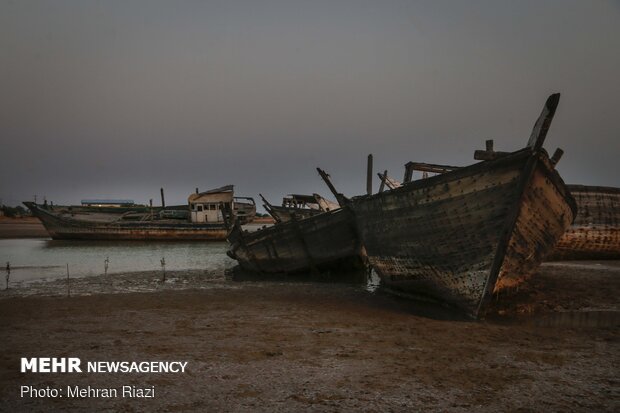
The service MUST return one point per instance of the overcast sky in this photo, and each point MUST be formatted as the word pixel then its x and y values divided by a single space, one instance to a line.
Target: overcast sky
pixel 114 99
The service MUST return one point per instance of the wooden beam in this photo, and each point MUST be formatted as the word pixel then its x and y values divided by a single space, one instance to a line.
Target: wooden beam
pixel 428 167
pixel 389 182
pixel 269 209
pixel 489 144
pixel 556 156
pixel 408 174
pixel 264 200
pixel 488 155
pixel 541 127
pixel 342 200
pixel 382 179
pixel 369 175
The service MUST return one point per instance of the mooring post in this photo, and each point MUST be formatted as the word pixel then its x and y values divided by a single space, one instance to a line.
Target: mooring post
pixel 68 282
pixel 163 202
pixel 8 274
pixel 163 267
pixel 369 175
pixel 105 265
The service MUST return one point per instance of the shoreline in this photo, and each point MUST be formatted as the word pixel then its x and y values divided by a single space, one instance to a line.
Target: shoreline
pixel 25 227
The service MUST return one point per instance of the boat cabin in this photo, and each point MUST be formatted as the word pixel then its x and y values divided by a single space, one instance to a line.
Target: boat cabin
pixel 108 203
pixel 211 206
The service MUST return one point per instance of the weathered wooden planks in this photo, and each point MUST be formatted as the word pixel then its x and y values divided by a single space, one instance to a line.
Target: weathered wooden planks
pixel 298 206
pixel 595 234
pixel 322 242
pixel 441 236
pixel 461 235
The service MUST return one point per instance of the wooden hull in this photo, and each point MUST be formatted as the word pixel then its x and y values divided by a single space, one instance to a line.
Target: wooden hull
pixel 595 234
pixel 285 214
pixel 462 235
pixel 320 243
pixel 66 228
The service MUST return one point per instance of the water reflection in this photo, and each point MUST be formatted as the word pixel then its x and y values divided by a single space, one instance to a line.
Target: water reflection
pixel 33 259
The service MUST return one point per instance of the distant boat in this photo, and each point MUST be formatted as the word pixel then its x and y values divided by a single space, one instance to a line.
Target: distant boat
pixel 595 234
pixel 300 206
pixel 467 232
pixel 208 216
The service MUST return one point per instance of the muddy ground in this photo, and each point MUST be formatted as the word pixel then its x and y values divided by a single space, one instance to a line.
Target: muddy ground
pixel 26 227
pixel 325 347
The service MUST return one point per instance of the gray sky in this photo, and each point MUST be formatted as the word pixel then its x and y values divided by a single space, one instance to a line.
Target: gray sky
pixel 118 98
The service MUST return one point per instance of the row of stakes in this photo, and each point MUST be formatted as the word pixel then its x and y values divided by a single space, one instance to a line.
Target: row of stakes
pixel 106 264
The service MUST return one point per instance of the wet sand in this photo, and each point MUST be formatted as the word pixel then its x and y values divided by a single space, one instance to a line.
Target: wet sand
pixel 323 347
pixel 27 227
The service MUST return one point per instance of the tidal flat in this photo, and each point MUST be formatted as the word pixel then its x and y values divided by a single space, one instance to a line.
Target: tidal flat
pixel 284 346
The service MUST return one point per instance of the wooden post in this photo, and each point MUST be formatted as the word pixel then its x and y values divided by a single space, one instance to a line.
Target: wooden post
pixel 408 173
pixel 382 178
pixel 489 144
pixel 369 175
pixel 163 202
pixel 556 156
pixel 8 274
pixel 163 267
pixel 105 265
pixel 68 282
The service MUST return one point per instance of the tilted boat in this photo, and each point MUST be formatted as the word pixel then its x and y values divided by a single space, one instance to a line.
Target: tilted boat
pixel 595 234
pixel 300 206
pixel 208 216
pixel 466 232
pixel 320 243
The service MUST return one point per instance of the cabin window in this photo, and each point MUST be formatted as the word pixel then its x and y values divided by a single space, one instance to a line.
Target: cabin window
pixel 199 207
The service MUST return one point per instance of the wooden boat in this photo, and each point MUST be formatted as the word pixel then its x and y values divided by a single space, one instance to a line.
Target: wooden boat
pixel 208 216
pixel 466 232
pixel 244 209
pixel 595 234
pixel 319 243
pixel 300 206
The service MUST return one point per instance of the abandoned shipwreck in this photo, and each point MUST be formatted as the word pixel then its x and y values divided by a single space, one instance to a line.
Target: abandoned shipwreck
pixel 466 232
pixel 311 234
pixel 207 216
pixel 299 206
pixel 595 234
